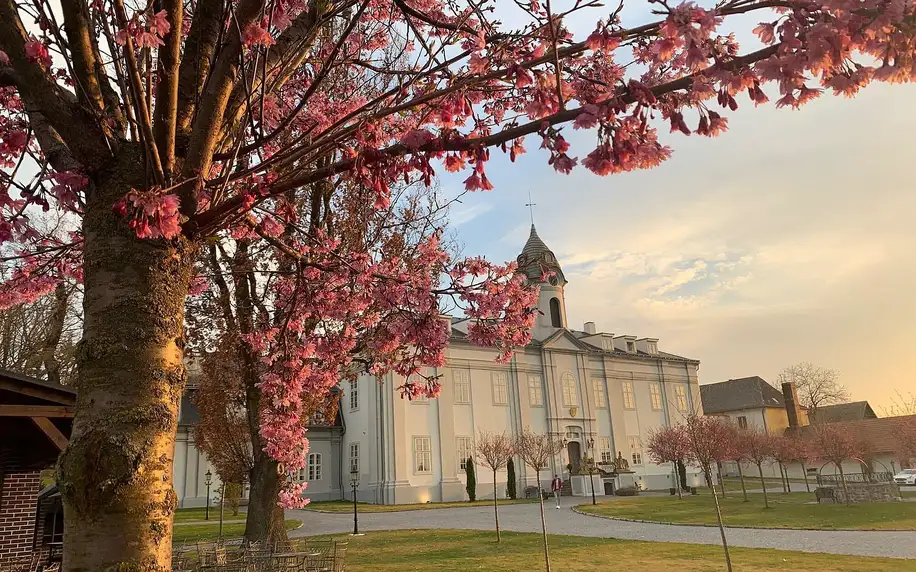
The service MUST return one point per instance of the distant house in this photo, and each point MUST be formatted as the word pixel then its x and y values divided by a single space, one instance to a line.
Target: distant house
pixel 855 411
pixel 748 402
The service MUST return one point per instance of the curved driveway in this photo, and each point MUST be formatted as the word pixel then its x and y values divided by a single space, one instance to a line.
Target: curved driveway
pixel 524 518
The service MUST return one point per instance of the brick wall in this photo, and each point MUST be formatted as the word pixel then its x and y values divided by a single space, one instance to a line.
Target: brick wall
pixel 18 497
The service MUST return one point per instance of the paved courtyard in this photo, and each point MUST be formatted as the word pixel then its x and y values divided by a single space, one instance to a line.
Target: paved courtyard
pixel 524 518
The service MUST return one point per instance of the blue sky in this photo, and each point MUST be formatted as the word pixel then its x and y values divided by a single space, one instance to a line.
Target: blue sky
pixel 789 238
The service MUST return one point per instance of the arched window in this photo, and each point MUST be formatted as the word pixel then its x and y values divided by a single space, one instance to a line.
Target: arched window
pixel 570 395
pixel 555 313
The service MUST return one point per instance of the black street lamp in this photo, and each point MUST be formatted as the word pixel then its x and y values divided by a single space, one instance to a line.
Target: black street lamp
pixel 208 482
pixel 354 482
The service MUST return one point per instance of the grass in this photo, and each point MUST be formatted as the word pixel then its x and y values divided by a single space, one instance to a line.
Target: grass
pixel 774 484
pixel 794 510
pixel 436 550
pixel 196 532
pixel 345 506
pixel 193 514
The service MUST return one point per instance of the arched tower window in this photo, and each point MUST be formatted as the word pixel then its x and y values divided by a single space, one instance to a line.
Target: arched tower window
pixel 555 320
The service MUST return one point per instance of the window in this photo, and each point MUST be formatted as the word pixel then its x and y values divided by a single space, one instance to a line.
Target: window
pixel 631 347
pixel 572 432
pixel 422 455
pixel 53 532
pixel 535 391
pixel 742 422
pixel 418 380
pixel 600 395
pixel 354 457
pixel 629 400
pixel 655 394
pixel 681 394
pixel 608 344
pixel 464 450
pixel 462 380
pixel 635 450
pixel 500 388
pixel 604 450
pixel 354 395
pixel 652 347
pixel 570 397
pixel 301 475
pixel 555 313
pixel 314 466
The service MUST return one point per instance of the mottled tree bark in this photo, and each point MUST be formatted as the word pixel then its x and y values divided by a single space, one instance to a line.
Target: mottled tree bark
pixel 116 474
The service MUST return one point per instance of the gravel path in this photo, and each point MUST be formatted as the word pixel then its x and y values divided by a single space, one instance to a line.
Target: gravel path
pixel 524 518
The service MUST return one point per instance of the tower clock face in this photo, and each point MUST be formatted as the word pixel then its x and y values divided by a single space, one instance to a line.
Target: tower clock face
pixel 554 280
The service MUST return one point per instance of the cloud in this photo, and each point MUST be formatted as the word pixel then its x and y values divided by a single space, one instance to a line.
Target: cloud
pixel 464 214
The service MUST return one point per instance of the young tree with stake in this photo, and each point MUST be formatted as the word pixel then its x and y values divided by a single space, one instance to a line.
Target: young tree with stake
pixel 161 127
pixel 536 450
pixel 494 451
pixel 670 445
pixel 760 450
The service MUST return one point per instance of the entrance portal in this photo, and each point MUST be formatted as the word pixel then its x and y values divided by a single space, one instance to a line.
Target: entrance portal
pixel 575 456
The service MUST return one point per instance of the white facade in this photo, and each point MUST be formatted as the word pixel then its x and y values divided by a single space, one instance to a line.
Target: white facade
pixel 601 394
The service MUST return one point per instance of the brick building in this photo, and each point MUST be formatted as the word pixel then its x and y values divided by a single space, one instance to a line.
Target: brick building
pixel 35 422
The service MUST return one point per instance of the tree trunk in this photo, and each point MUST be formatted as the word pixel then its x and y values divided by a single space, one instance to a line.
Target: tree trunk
pixel 55 330
pixel 495 506
pixel 264 520
pixel 741 475
pixel 788 483
pixel 677 480
pixel 843 479
pixel 763 483
pixel 783 477
pixel 719 475
pixel 805 474
pixel 543 523
pixel 115 476
pixel 715 499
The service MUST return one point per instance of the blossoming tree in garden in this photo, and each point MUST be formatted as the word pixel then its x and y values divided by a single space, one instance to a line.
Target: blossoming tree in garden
pixel 158 127
pixel 670 445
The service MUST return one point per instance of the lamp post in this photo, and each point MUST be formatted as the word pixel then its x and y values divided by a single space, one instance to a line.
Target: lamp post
pixel 354 482
pixel 591 467
pixel 208 482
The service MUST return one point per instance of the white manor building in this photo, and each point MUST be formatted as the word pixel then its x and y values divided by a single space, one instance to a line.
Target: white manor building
pixel 599 393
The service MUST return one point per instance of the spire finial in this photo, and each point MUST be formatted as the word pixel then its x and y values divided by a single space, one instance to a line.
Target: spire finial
pixel 531 206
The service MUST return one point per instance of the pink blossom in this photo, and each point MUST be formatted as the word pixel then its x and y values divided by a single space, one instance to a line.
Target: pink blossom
pixel 257 34
pixel 36 51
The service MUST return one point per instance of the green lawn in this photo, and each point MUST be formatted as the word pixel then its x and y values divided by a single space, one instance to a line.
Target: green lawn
pixel 773 484
pixel 194 532
pixel 436 550
pixel 795 510
pixel 190 514
pixel 344 506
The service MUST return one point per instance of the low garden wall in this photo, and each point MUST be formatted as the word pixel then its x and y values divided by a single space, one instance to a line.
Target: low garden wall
pixel 860 493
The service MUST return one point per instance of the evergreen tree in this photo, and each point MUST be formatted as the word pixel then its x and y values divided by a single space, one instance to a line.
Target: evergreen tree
pixel 510 480
pixel 471 487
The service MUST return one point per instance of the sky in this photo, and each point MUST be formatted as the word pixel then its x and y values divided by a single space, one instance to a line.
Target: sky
pixel 790 238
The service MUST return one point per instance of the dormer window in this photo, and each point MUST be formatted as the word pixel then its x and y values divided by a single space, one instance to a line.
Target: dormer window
pixel 631 347
pixel 653 348
pixel 608 344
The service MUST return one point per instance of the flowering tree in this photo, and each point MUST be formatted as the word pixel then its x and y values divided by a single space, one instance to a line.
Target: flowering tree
pixel 669 445
pixel 709 443
pixel 157 127
pixel 536 450
pixel 759 448
pixel 788 449
pixel 494 450
pixel 906 439
pixel 738 452
pixel 835 443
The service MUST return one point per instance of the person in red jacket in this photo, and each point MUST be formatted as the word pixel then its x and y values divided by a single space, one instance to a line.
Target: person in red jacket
pixel 556 485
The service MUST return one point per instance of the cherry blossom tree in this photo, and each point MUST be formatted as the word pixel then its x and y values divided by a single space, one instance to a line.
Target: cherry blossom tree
pixel 738 452
pixel 494 450
pixel 669 445
pixel 709 441
pixel 759 448
pixel 159 127
pixel 835 443
pixel 536 450
pixel 906 439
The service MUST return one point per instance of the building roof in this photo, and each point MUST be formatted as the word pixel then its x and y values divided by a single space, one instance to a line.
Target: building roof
pixel 535 258
pixel 843 412
pixel 880 433
pixel 737 394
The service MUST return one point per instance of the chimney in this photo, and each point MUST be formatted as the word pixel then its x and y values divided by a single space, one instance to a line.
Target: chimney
pixel 590 328
pixel 791 398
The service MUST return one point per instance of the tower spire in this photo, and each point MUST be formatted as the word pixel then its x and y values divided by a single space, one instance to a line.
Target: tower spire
pixel 530 204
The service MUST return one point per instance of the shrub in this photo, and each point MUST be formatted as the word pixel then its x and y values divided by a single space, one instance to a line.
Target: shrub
pixel 510 480
pixel 471 487
pixel 627 492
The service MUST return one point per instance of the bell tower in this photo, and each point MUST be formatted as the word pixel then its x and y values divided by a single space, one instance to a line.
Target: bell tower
pixel 540 266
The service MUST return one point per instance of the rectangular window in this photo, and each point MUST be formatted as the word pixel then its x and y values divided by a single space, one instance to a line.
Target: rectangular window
pixel 535 391
pixel 635 450
pixel 681 394
pixel 742 422
pixel 600 395
pixel 422 455
pixel 631 347
pixel 570 395
pixel 354 457
pixel 629 400
pixel 464 450
pixel 314 466
pixel 500 388
pixel 301 475
pixel 604 450
pixel 655 393
pixel 462 379
pixel 609 344
pixel 354 395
